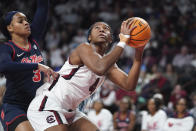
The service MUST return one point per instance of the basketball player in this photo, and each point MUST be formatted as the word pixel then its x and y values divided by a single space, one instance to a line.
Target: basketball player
pixel 21 63
pixel 54 107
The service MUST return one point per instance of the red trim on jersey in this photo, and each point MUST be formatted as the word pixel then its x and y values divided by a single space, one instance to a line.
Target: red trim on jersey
pixel 8 123
pixel 41 108
pixel 57 116
pixel 21 47
pixel 54 83
pixel 2 114
pixel 35 42
pixel 71 74
pixel 14 52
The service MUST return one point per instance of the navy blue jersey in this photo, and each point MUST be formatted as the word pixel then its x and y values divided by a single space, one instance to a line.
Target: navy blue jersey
pixel 22 76
pixel 22 85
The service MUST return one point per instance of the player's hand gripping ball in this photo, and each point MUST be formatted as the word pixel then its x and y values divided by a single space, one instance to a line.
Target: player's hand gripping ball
pixel 141 34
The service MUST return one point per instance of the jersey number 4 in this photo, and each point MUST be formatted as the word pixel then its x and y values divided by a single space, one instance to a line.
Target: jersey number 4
pixel 37 76
pixel 93 87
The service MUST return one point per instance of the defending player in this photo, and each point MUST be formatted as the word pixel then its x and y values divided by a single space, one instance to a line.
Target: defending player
pixel 21 63
pixel 54 107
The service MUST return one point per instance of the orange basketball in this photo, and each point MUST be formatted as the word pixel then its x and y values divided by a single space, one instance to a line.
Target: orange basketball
pixel 141 34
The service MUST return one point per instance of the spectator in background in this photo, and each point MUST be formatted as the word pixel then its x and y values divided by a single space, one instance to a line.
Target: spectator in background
pixel 56 59
pixel 183 58
pixel 124 119
pixel 101 117
pixel 176 94
pixel 80 37
pixel 108 96
pixel 170 74
pixel 155 117
pixel 52 38
pixel 181 120
pixel 152 73
pixel 142 79
pixel 167 110
pixel 165 56
pixel 193 110
pixel 160 97
pixel 193 61
pixel 120 93
pixel 157 85
pixel 149 59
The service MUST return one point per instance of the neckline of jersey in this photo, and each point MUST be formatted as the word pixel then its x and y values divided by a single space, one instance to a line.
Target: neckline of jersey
pixel 27 50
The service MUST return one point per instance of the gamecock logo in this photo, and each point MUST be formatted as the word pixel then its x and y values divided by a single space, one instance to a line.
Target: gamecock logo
pixel 50 119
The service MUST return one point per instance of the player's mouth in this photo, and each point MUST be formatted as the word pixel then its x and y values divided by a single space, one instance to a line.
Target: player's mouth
pixel 102 35
pixel 28 28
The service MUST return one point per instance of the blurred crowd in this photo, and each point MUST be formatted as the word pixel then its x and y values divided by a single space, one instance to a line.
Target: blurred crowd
pixel 168 72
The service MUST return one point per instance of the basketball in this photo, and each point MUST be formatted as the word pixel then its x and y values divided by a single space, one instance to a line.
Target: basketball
pixel 141 34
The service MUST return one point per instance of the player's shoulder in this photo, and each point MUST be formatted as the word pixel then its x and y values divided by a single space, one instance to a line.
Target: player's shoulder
pixel 84 45
pixel 3 44
pixel 6 45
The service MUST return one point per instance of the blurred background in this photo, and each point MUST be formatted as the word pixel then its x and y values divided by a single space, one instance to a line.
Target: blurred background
pixel 169 62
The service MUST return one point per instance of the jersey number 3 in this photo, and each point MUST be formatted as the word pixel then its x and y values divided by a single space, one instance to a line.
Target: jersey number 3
pixel 37 76
pixel 93 87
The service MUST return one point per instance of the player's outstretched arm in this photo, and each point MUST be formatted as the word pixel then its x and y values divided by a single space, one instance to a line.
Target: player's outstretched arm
pixel 100 65
pixel 48 71
pixel 40 19
pixel 127 82
pixel 7 65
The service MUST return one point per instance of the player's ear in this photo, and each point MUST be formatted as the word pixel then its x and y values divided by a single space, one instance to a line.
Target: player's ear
pixel 9 28
pixel 89 38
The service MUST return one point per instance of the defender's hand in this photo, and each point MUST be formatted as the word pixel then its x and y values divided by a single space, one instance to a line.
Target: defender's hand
pixel 48 71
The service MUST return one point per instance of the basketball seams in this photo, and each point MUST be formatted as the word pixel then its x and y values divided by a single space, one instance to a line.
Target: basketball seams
pixel 141 35
pixel 141 31
pixel 134 38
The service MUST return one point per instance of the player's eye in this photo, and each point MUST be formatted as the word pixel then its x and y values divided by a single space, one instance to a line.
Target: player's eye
pixel 20 21
pixel 96 27
pixel 26 19
pixel 106 28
